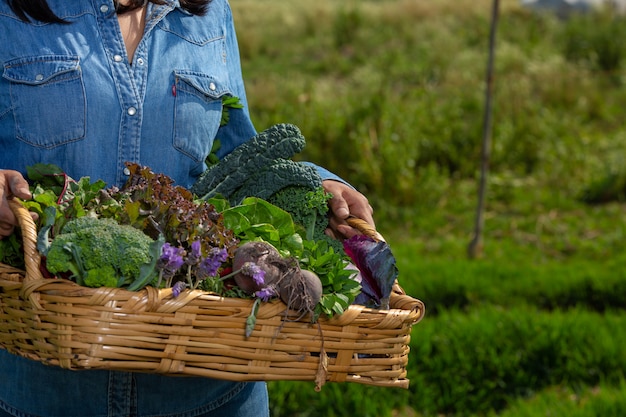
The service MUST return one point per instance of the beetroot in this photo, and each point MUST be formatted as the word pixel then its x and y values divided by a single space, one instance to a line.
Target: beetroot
pixel 298 288
pixel 266 257
pixel 301 290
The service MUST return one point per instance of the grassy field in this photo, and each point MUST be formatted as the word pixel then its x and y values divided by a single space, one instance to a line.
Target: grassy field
pixel 390 95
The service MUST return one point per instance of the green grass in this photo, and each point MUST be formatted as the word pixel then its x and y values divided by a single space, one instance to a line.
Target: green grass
pixel 390 95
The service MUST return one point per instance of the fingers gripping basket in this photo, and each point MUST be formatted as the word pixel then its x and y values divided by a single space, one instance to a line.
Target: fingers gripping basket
pixel 60 323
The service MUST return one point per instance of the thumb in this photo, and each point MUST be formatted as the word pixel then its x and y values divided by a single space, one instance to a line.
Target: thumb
pixel 19 187
pixel 339 206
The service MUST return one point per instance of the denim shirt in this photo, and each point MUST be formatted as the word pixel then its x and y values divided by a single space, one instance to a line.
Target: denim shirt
pixel 70 96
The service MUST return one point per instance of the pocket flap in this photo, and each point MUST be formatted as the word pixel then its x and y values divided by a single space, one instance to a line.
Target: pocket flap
pixel 205 84
pixel 40 69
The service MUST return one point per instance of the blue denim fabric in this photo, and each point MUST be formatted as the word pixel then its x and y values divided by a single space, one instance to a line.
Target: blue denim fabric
pixel 28 388
pixel 69 96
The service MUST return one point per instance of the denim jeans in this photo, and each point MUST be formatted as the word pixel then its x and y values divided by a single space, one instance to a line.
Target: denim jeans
pixel 29 388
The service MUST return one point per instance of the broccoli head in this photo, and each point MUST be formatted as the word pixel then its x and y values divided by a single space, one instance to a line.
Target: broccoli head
pixel 90 248
pixel 105 276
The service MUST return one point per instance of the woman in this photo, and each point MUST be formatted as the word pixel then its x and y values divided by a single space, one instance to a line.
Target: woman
pixel 88 85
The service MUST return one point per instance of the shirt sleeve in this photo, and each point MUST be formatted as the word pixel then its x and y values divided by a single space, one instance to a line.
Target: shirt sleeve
pixel 239 129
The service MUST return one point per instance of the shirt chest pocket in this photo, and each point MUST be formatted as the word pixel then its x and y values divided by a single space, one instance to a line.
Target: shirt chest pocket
pixel 197 113
pixel 47 99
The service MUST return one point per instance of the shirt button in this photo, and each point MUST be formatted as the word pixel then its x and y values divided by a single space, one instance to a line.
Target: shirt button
pixel 104 8
pixel 117 58
pixel 212 87
pixel 131 111
pixel 140 61
pixel 126 172
pixel 39 77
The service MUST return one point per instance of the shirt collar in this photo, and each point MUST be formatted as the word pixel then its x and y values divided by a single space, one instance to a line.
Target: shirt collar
pixel 175 4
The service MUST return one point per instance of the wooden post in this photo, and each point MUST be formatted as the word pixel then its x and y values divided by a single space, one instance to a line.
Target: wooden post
pixel 475 248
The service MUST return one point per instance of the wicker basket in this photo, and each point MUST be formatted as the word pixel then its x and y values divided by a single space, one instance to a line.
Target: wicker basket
pixel 60 323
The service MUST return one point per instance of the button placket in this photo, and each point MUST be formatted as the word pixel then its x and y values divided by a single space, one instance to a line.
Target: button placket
pixel 130 78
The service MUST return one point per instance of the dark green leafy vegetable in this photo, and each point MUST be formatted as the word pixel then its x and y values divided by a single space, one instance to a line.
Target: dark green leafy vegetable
pixel 293 186
pixel 275 176
pixel 309 210
pixel 279 141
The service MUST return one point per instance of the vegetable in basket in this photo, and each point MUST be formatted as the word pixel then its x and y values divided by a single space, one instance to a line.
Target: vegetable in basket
pixel 226 177
pixel 99 252
pixel 377 269
pixel 193 229
pixel 262 168
pixel 299 289
pixel 184 243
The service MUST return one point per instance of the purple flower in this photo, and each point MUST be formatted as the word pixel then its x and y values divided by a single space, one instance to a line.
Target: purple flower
pixel 210 265
pixel 265 293
pixel 171 260
pixel 194 257
pixel 178 287
pixel 253 270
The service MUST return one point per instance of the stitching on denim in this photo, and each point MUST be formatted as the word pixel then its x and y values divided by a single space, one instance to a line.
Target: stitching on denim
pixel 199 411
pixel 10 410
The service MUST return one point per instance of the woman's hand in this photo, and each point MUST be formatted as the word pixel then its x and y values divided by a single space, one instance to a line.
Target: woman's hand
pixel 12 184
pixel 346 202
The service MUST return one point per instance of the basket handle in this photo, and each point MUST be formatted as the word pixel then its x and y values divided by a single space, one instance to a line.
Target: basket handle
pixel 32 258
pixel 365 228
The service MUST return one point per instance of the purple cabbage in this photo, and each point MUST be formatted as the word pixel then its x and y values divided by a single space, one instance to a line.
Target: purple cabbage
pixel 377 267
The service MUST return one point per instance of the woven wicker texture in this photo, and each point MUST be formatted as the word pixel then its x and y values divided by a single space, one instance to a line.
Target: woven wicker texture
pixel 60 323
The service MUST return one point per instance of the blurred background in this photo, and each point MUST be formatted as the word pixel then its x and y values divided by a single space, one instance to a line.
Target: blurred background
pixel 391 95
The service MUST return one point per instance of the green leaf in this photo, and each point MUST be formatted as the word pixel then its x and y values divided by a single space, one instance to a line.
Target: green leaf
pixel 294 244
pixel 148 271
pixel 219 202
pixel 43 237
pixel 267 232
pixel 236 221
pixel 256 218
pixel 132 209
